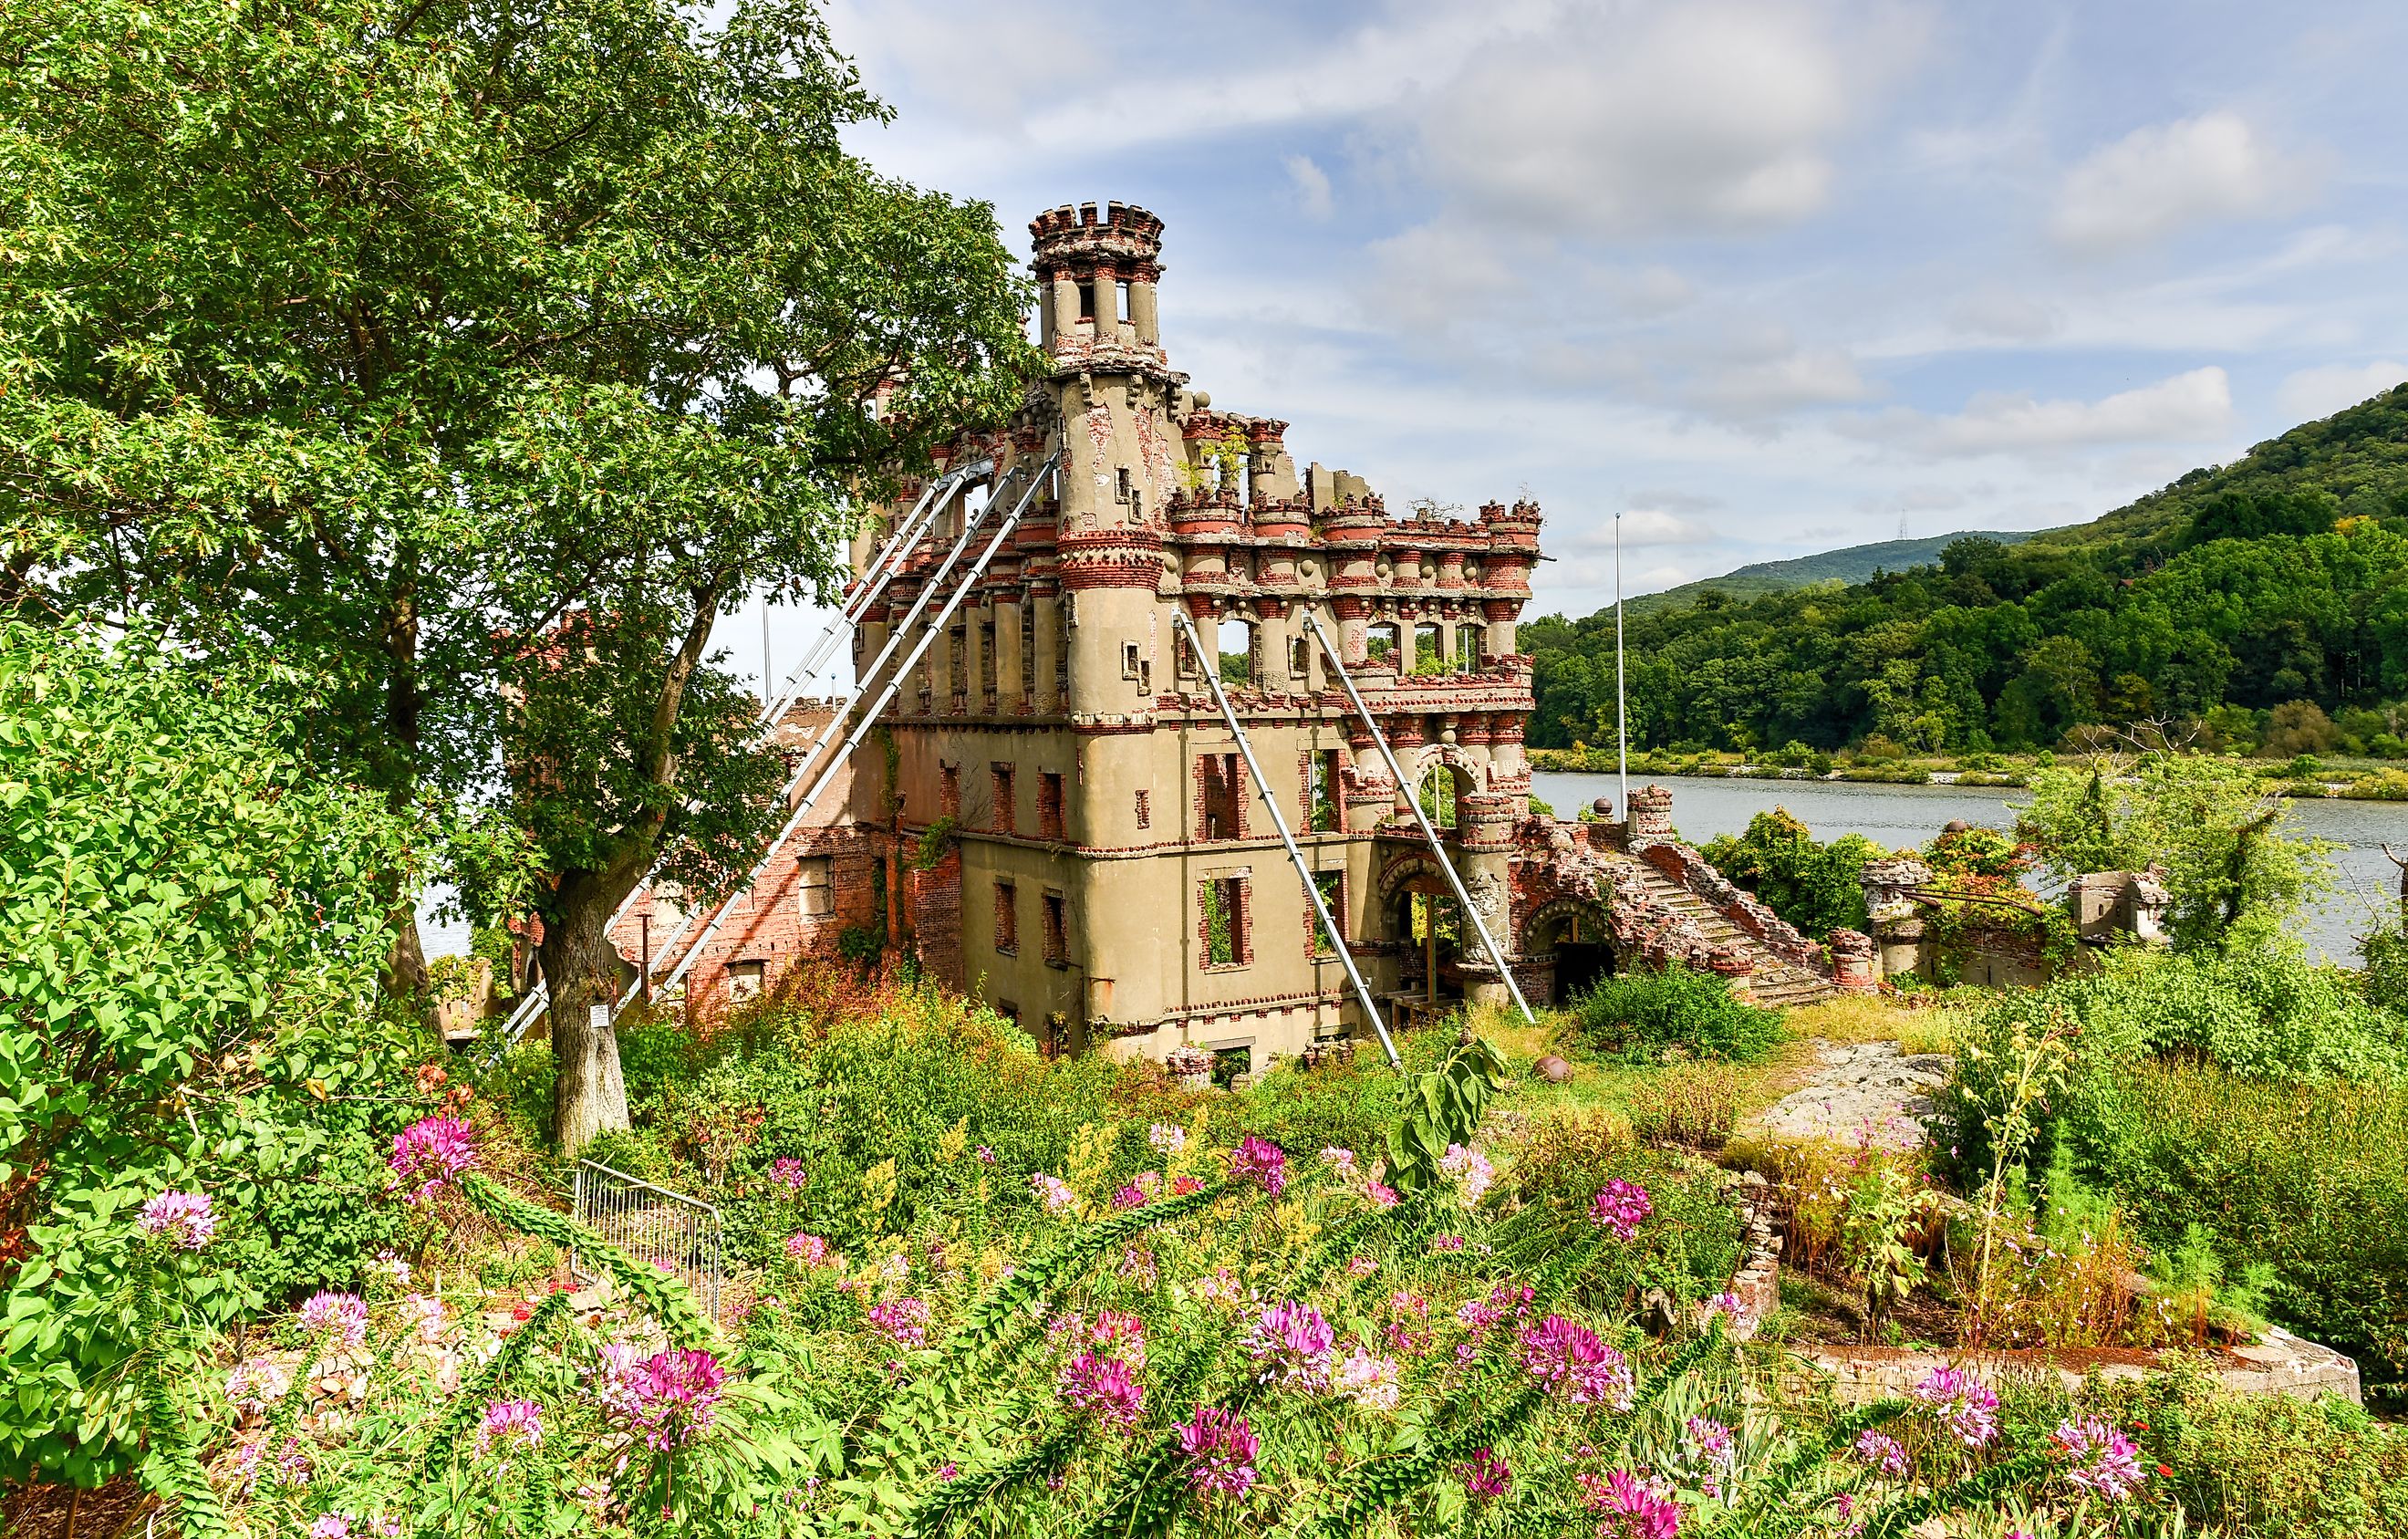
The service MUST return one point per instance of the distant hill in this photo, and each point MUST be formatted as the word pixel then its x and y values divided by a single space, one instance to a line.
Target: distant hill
pixel 1851 564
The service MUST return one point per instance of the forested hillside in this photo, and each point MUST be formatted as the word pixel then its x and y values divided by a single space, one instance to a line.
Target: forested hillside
pixel 1850 564
pixel 2266 600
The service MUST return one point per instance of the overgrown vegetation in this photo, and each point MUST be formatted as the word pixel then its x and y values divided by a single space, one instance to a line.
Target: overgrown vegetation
pixel 1647 1015
pixel 1815 887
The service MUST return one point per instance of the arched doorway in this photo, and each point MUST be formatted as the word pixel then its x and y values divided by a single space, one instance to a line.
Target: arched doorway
pixel 1427 924
pixel 1574 932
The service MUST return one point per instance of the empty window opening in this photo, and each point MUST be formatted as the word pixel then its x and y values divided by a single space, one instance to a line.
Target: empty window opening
pixel 1132 660
pixel 986 658
pixel 1007 812
pixel 1299 657
pixel 1057 930
pixel 949 790
pixel 1087 301
pixel 815 886
pixel 1027 652
pixel 1230 1064
pixel 1331 886
pixel 1223 920
pixel 1382 646
pixel 1322 812
pixel 1429 655
pixel 1120 484
pixel 745 980
pixel 1049 805
pixel 1237 648
pixel 1120 301
pixel 1441 790
pixel 1007 919
pixel 1219 795
pixel 1467 649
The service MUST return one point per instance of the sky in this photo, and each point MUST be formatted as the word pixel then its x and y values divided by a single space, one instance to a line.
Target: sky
pixel 1766 279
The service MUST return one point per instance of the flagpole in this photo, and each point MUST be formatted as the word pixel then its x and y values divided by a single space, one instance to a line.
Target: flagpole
pixel 1621 716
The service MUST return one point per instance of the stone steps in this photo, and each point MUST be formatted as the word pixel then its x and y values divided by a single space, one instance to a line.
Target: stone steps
pixel 1777 982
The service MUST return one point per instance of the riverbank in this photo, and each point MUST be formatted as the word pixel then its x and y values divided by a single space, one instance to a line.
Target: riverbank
pixel 2327 779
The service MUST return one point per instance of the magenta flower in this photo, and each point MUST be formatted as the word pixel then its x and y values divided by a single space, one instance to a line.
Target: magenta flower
pixel 1966 1405
pixel 1294 1343
pixel 1709 1443
pixel 1569 1359
pixel 183 1219
pixel 341 1318
pixel 1629 1508
pixel 985 1155
pixel 904 1319
pixel 1220 1449
pixel 1129 1196
pixel 1446 1241
pixel 1055 1193
pixel 1470 1171
pixel 1882 1453
pixel 332 1525
pixel 787 1171
pixel 1381 1195
pixel 1620 1208
pixel 1103 1388
pixel 519 1421
pixel 1185 1186
pixel 674 1397
pixel 1260 1162
pixel 2104 1460
pixel 430 1154
pixel 1120 1333
pixel 810 1249
pixel 1485 1476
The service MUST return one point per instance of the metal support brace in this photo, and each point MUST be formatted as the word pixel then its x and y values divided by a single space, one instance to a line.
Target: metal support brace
pixel 868 719
pixel 1453 878
pixel 1303 872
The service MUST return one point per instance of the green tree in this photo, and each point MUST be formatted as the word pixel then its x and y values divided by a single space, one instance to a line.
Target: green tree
pixel 2234 870
pixel 1817 887
pixel 190 925
pixel 419 340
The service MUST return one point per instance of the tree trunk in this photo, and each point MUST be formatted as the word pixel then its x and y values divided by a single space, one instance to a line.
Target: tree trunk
pixel 405 965
pixel 585 975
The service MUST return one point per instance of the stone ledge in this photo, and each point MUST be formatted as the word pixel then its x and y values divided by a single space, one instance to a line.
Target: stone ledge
pixel 2281 1363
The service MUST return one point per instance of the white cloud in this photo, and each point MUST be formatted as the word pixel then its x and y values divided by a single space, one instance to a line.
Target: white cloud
pixel 1701 116
pixel 2160 180
pixel 2191 407
pixel 1311 186
pixel 1768 387
pixel 2005 314
pixel 2313 392
pixel 1647 527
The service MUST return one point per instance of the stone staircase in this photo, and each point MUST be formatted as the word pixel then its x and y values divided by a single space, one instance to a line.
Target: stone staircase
pixel 1777 982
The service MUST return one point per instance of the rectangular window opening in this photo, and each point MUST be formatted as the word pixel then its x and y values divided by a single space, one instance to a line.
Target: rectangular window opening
pixel 1222 900
pixel 1144 810
pixel 1322 807
pixel 1007 919
pixel 1007 812
pixel 1049 805
pixel 815 885
pixel 1331 886
pixel 949 790
pixel 1057 930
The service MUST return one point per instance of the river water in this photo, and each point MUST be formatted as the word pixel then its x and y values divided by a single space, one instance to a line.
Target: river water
pixel 1901 815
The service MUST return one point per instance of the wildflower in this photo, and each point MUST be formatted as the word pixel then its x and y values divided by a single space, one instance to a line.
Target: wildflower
pixel 1148 1182
pixel 1294 1342
pixel 1129 1196
pixel 256 1384
pixel 1168 1139
pixel 1470 1171
pixel 1570 1358
pixel 1104 1388
pixel 1136 1264
pixel 1361 1266
pixel 1710 1444
pixel 905 1320
pixel 894 1270
pixel 510 1420
pixel 1630 1507
pixel 343 1318
pixel 947 1471
pixel 985 1155
pixel 1341 1160
pixel 788 1172
pixel 431 1154
pixel 332 1525
pixel 1621 1208
pixel 390 1269
pixel 1882 1453
pixel 183 1219
pixel 1725 1304
pixel 1446 1241
pixel 2104 1460
pixel 810 1249
pixel 1968 1406
pixel 675 1396
pixel 1380 1195
pixel 1220 1449
pixel 1486 1478
pixel 1185 1186
pixel 1055 1193
pixel 1368 1381
pixel 292 1466
pixel 1120 1334
pixel 1220 1287
pixel 1260 1162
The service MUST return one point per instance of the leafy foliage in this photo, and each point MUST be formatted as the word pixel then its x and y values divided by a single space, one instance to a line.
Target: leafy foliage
pixel 1636 1017
pixel 194 925
pixel 1815 887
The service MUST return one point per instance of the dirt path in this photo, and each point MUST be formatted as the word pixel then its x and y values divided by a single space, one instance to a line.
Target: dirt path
pixel 1872 1093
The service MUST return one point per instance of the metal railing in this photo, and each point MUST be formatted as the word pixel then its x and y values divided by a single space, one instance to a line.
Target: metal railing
pixel 663 1229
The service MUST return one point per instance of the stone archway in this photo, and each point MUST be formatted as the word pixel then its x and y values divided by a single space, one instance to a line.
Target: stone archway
pixel 1467 776
pixel 1423 924
pixel 1573 938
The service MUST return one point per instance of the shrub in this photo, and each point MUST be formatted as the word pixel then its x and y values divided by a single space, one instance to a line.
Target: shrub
pixel 1814 887
pixel 1696 1104
pixel 1635 1017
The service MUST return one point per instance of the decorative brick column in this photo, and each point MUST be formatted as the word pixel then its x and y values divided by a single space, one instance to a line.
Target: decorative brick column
pixel 1851 961
pixel 1650 817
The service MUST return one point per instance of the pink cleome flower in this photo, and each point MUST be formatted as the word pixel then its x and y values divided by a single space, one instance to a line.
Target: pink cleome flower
pixel 341 1318
pixel 1446 1241
pixel 1293 1342
pixel 1380 1195
pixel 788 1172
pixel 1257 1160
pixel 430 1154
pixel 332 1525
pixel 1484 1476
pixel 519 1421
pixel 1185 1186
pixel 1129 1196
pixel 2104 1460
pixel 906 1320
pixel 1716 1451
pixel 1966 1405
pixel 673 1397
pixel 1102 1387
pixel 1055 1193
pixel 1621 1208
pixel 1569 1359
pixel 1120 1333
pixel 1882 1453
pixel 810 1249
pixel 1470 1171
pixel 1220 1449
pixel 1630 1507
pixel 183 1219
